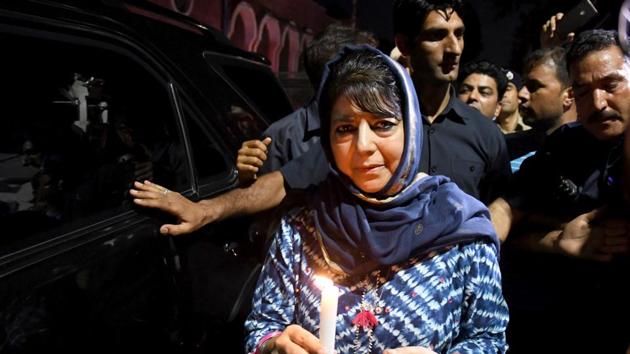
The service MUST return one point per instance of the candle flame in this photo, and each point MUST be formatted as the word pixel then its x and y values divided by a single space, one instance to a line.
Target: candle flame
pixel 322 282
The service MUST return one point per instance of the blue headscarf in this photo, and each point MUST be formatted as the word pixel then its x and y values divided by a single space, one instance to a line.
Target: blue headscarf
pixel 360 231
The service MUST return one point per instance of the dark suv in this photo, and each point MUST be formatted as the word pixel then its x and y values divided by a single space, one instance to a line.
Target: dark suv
pixel 92 99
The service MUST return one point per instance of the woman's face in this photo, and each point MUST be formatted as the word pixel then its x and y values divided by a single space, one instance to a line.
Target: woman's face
pixel 367 148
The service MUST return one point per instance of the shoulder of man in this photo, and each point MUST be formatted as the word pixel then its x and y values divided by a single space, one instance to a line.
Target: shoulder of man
pixel 569 136
pixel 475 119
pixel 487 132
pixel 307 170
pixel 564 143
pixel 285 125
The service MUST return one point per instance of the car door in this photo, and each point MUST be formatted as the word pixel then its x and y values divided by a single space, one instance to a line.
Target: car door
pixel 84 112
pixel 220 263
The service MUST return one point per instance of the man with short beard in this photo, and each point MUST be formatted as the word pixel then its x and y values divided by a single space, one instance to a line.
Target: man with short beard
pixel 549 104
pixel 570 192
pixel 546 100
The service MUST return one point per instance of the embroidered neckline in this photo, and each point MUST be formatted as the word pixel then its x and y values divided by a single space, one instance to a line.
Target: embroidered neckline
pixel 366 321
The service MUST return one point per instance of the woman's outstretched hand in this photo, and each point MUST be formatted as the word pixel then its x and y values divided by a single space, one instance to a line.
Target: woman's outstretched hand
pixel 190 216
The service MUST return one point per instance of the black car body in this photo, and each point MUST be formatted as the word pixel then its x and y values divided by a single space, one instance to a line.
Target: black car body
pixel 93 97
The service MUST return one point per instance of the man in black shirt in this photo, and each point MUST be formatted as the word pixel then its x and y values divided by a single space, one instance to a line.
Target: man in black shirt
pixel 547 101
pixel 570 191
pixel 459 142
pixel 603 117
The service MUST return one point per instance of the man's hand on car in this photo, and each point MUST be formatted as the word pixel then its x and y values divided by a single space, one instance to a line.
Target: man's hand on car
pixel 190 216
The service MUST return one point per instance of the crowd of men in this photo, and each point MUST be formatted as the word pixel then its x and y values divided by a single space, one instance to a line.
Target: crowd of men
pixel 560 207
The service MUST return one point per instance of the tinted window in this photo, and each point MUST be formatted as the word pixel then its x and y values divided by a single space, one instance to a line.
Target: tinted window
pixel 209 162
pixel 256 82
pixel 79 124
pixel 232 118
pixel 220 100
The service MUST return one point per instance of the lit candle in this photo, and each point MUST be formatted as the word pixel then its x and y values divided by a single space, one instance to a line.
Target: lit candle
pixel 327 313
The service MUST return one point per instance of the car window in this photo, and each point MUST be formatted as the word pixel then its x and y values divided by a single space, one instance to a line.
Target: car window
pixel 232 118
pixel 232 114
pixel 78 125
pixel 209 163
pixel 255 82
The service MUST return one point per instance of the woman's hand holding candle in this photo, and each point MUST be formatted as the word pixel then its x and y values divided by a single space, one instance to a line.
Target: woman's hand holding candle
pixel 294 339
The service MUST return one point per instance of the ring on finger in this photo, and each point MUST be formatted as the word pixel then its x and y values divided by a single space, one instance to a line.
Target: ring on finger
pixel 165 192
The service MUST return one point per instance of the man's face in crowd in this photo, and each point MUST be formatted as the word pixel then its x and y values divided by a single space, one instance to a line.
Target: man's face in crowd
pixel 480 92
pixel 544 104
pixel 509 102
pixel 434 54
pixel 602 92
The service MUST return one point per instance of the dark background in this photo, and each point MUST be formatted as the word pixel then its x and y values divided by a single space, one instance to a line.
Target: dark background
pixel 502 31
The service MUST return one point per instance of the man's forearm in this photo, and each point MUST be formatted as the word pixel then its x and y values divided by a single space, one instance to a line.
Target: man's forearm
pixel 265 193
pixel 540 241
pixel 550 234
pixel 502 217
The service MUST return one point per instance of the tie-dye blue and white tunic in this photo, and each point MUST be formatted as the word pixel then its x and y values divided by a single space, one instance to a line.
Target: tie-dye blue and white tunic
pixel 448 301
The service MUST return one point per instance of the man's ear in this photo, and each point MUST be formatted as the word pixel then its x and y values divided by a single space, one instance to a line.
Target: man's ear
pixel 567 98
pixel 402 43
pixel 498 110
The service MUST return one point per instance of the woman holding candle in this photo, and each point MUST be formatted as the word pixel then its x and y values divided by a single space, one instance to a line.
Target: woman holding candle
pixel 414 259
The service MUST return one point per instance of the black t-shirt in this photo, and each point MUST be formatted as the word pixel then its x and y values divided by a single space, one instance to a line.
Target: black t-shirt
pixel 469 148
pixel 571 174
pixel 524 142
pixel 461 144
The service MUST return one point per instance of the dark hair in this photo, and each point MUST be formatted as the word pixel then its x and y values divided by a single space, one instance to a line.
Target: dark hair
pixel 367 81
pixel 409 15
pixel 486 68
pixel 555 57
pixel 327 44
pixel 590 41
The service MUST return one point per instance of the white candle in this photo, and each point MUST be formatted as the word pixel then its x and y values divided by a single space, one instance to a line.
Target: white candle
pixel 327 314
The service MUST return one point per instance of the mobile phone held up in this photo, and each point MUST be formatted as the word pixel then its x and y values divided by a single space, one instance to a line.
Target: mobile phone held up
pixel 576 18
